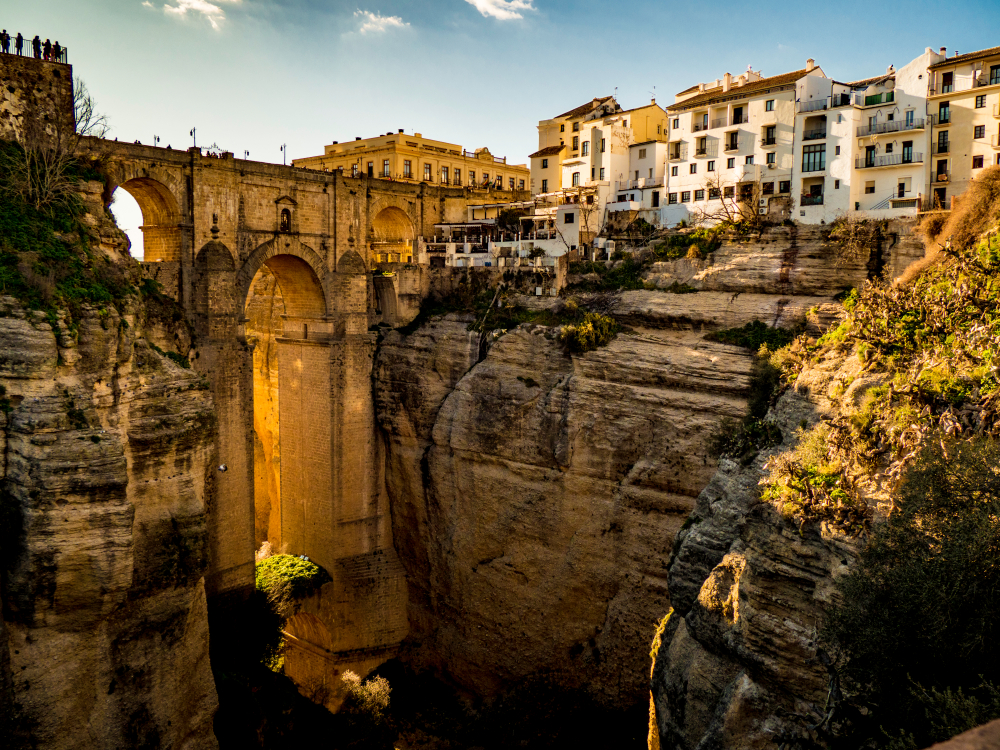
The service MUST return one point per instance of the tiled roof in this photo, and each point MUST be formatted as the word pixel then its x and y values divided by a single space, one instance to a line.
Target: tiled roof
pixel 547 151
pixel 968 56
pixel 762 85
pixel 866 82
pixel 584 108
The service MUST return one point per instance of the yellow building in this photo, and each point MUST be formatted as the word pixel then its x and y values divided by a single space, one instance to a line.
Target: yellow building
pixel 413 158
pixel 963 100
pixel 575 136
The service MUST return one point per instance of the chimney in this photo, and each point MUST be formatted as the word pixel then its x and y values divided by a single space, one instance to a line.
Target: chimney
pixel 943 52
pixel 400 130
pixel 417 135
pixel 727 82
pixel 357 139
pixel 701 87
pixel 810 64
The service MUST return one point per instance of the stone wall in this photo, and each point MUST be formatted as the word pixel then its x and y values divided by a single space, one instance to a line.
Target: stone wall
pixel 36 98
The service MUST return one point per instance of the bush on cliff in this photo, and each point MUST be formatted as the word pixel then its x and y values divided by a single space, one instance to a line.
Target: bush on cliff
pixel 595 330
pixel 919 618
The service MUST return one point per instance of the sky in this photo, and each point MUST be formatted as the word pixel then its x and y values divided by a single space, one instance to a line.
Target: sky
pixel 253 75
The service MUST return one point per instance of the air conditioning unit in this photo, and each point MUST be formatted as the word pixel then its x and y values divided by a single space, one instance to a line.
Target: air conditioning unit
pixel 771 165
pixel 762 211
pixel 763 202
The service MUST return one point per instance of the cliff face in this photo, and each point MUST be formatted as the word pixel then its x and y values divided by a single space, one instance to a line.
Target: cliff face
pixel 739 664
pixel 535 494
pixel 107 463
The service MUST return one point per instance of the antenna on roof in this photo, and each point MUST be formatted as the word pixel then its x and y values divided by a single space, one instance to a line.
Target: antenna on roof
pixel 653 93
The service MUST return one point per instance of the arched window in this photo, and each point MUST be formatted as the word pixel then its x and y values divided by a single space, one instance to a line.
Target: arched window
pixel 286 220
pixel 576 179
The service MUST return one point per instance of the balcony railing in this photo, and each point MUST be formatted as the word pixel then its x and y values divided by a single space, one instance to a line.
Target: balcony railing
pixel 740 120
pixel 719 122
pixel 699 126
pixel 941 148
pixel 814 135
pixel 731 146
pixel 963 83
pixel 767 142
pixel 887 160
pixel 812 106
pixel 942 177
pixel 811 200
pixel 942 118
pixel 892 126
pixel 26 51
pixel 874 100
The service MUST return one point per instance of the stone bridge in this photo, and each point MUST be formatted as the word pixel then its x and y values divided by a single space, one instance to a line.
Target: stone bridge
pixel 211 226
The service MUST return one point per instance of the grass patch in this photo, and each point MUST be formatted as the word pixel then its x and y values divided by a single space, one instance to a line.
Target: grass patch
pixel 753 336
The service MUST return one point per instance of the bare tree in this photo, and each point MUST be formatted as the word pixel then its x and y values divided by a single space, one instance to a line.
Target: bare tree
pixel 88 121
pixel 730 203
pixel 592 215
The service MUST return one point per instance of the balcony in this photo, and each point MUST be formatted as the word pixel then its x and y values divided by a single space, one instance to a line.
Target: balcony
pixel 813 106
pixel 814 135
pixel 942 177
pixel 811 200
pixel 679 154
pixel 963 83
pixel 728 146
pixel 942 118
pixel 941 148
pixel 887 160
pixel 699 126
pixel 768 142
pixel 893 126
pixel 740 120
pixel 719 122
pixel 874 100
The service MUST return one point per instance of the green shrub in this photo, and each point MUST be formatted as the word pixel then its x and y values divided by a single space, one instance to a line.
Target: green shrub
pixel 593 331
pixel 753 336
pixel 743 440
pixel 922 605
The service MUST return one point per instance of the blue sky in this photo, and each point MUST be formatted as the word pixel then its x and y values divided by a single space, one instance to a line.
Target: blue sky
pixel 254 74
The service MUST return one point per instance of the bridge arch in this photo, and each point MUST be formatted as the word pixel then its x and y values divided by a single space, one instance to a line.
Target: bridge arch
pixel 161 219
pixel 300 274
pixel 392 235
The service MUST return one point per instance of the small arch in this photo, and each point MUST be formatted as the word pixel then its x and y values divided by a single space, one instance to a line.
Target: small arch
pixel 300 274
pixel 285 224
pixel 161 217
pixel 392 236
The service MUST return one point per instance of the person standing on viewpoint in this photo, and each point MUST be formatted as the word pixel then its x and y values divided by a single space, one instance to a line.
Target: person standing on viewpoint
pixel 19 43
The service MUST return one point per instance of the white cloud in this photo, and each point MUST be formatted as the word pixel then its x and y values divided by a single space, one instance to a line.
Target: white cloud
pixel 376 23
pixel 504 10
pixel 147 4
pixel 209 11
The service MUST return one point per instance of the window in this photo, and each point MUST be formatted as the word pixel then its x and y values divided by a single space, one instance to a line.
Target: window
pixel 694 169
pixel 576 142
pixel 947 82
pixel 637 174
pixel 769 105
pixel 770 135
pixel 354 170
pixel 731 162
pixel 576 179
pixel 728 192
pixel 785 186
pixel 870 187
pixel 407 168
pixel 486 177
pixel 771 158
pixel 385 167
pixel 642 153
pixel 977 162
pixel 562 128
pixel 673 171
pixel 286 220
pixel 656 199
pixel 586 148
pixel 699 195
pixel 472 179
pixel 602 145
pixel 624 123
pixel 836 184
pixel 520 184
pixel 686 196
pixel 650 173
pixel 545 184
pixel 749 160
pixel 371 169
pixel 944 113
pixel 658 129
pixel 593 171
pixel 767 188
pixel 510 183
pixel 444 175
pixel 458 176
pixel 672 198
pixel 979 131
pixel 980 101
pixel 836 151
pixel 567 218
pixel 907 152
pixel 427 172
pixel 713 194
pixel 908 117
pixel 601 173
pixel 814 158
pixel 942 144
pixel 677 122
pixel 711 166
pixel 576 127
pixel 545 163
pixel 994 75
pixel 888 148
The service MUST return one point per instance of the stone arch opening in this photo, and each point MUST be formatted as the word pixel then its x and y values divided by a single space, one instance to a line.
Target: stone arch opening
pixel 286 324
pixel 161 218
pixel 392 236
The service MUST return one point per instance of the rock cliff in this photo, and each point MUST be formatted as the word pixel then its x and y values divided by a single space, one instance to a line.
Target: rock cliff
pixel 107 463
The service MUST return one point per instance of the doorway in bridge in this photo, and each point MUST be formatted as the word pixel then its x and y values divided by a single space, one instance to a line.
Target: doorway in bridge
pixel 286 327
pixel 392 236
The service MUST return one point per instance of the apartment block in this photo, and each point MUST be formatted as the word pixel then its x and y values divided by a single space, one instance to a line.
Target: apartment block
pixel 640 193
pixel 963 100
pixel 730 133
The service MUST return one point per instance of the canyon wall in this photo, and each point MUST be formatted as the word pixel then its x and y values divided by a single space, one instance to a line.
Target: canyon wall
pixel 107 449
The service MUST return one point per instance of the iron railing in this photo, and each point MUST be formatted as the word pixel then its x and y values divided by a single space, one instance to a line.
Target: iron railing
pixel 887 160
pixel 814 135
pixel 811 200
pixel 27 50
pixel 941 148
pixel 812 106
pixel 891 126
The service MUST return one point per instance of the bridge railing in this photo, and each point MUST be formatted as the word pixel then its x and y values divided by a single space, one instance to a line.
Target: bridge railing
pixel 10 48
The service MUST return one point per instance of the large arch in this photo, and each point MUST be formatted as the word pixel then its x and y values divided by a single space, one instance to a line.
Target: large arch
pixel 161 219
pixel 300 273
pixel 392 235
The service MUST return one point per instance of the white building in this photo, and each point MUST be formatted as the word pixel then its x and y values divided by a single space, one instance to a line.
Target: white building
pixel 726 135
pixel 640 193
